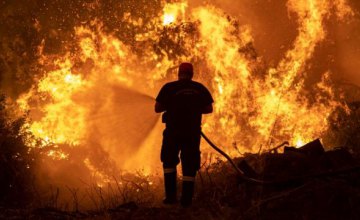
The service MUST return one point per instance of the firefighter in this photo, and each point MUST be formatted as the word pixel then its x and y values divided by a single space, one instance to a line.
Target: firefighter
pixel 183 103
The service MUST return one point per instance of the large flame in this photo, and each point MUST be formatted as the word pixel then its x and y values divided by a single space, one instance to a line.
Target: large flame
pixel 255 105
pixel 174 12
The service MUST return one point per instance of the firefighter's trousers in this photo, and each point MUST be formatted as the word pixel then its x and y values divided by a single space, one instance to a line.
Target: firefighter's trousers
pixel 187 144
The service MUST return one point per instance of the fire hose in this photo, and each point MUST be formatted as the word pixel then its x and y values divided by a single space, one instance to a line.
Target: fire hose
pixel 243 176
pixel 263 182
pixel 236 168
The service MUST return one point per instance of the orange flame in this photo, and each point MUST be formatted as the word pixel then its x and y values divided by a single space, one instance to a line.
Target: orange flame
pixel 251 108
pixel 174 12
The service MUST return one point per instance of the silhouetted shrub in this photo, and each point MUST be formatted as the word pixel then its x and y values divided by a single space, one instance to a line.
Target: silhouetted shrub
pixel 344 129
pixel 17 161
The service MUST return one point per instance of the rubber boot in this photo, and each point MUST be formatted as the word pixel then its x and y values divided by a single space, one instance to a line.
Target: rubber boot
pixel 170 188
pixel 187 193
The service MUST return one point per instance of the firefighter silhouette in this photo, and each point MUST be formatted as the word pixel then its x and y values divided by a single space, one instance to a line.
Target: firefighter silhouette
pixel 183 103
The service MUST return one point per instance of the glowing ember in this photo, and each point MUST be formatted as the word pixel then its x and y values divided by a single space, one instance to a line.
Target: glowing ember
pixel 58 155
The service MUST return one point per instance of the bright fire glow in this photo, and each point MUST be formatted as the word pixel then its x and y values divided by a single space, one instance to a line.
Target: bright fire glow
pixel 168 19
pixel 299 143
pixel 173 12
pixel 252 109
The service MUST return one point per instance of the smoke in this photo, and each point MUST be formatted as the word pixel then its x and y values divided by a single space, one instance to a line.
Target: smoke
pixel 121 122
pixel 271 26
pixel 120 136
pixel 347 38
